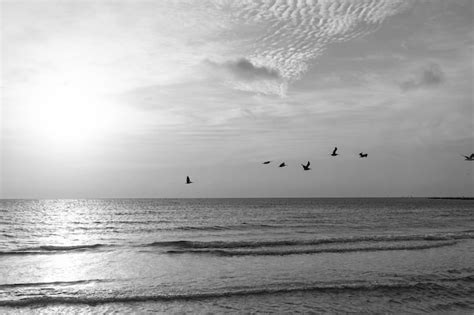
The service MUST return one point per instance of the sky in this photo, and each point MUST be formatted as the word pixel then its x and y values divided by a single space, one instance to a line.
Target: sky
pixel 104 99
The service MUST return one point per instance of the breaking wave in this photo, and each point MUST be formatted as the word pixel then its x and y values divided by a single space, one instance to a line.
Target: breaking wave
pixel 342 240
pixel 221 252
pixel 288 288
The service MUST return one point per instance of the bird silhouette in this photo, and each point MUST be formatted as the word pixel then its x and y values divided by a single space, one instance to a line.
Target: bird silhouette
pixel 469 158
pixel 282 164
pixel 188 181
pixel 363 155
pixel 266 162
pixel 334 152
pixel 306 167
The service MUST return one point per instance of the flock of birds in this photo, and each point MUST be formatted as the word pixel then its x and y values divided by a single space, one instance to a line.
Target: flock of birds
pixel 334 153
pixel 307 168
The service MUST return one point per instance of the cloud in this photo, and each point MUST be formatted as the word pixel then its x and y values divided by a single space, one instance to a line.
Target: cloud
pixel 430 75
pixel 297 32
pixel 288 36
pixel 244 75
pixel 244 69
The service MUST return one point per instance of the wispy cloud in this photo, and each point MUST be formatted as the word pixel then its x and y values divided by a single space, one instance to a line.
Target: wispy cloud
pixel 297 32
pixel 430 75
pixel 288 36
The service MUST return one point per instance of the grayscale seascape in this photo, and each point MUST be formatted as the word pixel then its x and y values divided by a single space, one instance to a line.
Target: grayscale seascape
pixel 382 255
pixel 237 156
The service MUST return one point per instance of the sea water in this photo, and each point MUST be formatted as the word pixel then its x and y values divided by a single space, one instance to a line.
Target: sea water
pixel 409 255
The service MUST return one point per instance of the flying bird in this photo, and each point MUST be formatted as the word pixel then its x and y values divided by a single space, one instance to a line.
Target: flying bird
pixel 363 155
pixel 334 152
pixel 469 158
pixel 266 162
pixel 306 167
pixel 282 164
pixel 188 181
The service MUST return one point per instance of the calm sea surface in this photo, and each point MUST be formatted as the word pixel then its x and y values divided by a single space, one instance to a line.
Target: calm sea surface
pixel 237 255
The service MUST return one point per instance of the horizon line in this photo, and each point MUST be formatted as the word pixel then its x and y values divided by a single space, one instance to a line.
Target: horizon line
pixel 378 197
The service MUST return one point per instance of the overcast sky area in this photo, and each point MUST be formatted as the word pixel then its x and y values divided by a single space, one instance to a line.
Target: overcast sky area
pixel 126 98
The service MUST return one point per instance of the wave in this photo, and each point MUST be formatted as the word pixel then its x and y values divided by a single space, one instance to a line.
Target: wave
pixel 242 226
pixel 275 243
pixel 187 245
pixel 144 226
pixel 147 222
pixel 50 249
pixel 332 288
pixel 221 252
pixel 53 283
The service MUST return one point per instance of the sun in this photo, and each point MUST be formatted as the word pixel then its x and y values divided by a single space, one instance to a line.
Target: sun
pixel 69 111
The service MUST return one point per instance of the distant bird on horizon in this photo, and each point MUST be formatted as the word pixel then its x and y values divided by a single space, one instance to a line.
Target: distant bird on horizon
pixel 469 158
pixel 363 155
pixel 282 164
pixel 334 152
pixel 306 167
pixel 266 162
pixel 188 181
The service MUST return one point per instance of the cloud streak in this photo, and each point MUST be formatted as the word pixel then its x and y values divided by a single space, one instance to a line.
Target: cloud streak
pixel 429 76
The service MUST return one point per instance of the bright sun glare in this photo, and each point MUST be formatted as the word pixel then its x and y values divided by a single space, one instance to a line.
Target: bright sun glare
pixel 68 110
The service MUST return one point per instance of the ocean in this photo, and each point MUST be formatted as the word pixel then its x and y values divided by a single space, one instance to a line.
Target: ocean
pixel 401 255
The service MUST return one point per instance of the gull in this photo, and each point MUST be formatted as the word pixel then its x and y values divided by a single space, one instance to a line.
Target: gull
pixel 469 158
pixel 282 164
pixel 363 155
pixel 188 181
pixel 334 152
pixel 306 167
pixel 266 162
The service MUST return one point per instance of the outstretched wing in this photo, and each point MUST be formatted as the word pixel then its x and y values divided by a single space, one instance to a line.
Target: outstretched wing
pixel 307 165
pixel 334 151
pixel 472 156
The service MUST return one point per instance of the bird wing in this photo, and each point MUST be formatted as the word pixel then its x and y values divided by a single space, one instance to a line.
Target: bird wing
pixel 307 165
pixel 472 156
pixel 334 151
